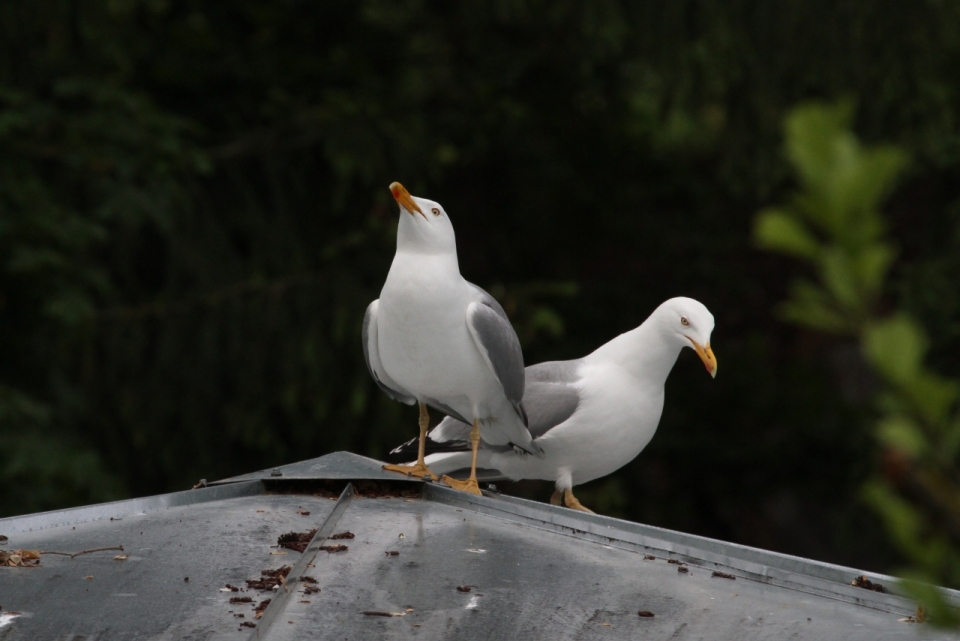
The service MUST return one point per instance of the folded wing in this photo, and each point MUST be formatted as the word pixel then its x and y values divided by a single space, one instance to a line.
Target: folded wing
pixel 551 397
pixel 500 348
pixel 371 355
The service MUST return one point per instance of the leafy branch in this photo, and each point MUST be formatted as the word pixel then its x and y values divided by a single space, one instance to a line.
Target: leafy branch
pixel 834 224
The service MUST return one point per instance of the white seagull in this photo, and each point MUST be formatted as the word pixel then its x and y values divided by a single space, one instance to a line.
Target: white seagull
pixel 435 339
pixel 593 415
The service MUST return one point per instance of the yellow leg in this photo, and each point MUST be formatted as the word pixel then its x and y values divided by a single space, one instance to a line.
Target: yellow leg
pixel 470 485
pixel 571 502
pixel 556 498
pixel 420 469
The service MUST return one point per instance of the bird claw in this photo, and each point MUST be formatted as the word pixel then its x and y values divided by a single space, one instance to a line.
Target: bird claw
pixel 571 502
pixel 470 485
pixel 566 498
pixel 420 471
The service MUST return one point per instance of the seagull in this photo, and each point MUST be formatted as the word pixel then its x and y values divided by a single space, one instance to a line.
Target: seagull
pixel 589 416
pixel 434 339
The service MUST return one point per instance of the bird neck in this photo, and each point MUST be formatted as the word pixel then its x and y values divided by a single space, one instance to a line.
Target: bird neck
pixel 423 264
pixel 430 238
pixel 644 352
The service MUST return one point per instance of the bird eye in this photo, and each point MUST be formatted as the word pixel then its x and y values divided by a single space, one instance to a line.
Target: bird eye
pixel 436 212
pixel 684 321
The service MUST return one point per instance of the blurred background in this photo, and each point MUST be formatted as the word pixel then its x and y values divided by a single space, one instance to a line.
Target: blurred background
pixel 194 215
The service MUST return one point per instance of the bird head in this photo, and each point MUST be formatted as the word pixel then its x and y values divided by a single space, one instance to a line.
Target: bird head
pixel 424 225
pixel 690 323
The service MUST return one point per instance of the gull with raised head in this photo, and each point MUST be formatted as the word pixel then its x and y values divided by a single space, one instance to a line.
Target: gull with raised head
pixel 592 415
pixel 434 339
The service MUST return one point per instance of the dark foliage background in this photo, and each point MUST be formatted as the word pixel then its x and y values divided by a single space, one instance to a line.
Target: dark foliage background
pixel 194 216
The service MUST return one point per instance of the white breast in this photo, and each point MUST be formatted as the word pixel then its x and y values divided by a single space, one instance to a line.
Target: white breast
pixel 616 418
pixel 423 339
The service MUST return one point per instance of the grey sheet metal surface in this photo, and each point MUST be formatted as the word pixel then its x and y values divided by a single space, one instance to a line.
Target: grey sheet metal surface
pixel 119 509
pixel 533 571
pixel 338 465
pixel 169 587
pixel 774 568
pixel 527 583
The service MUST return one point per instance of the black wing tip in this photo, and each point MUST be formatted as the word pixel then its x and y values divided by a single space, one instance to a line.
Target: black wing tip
pixel 404 447
pixel 484 475
pixel 522 411
pixel 532 449
pixel 408 451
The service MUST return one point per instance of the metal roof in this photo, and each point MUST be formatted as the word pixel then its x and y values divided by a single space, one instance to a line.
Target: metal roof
pixel 466 567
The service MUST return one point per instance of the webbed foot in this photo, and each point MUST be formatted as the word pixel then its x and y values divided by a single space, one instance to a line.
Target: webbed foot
pixel 419 470
pixel 470 485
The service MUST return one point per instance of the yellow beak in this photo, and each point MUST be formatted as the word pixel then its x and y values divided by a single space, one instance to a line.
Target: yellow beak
pixel 404 199
pixel 706 355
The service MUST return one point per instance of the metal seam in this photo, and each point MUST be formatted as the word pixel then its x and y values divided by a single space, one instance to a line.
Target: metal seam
pixel 128 507
pixel 765 571
pixel 283 596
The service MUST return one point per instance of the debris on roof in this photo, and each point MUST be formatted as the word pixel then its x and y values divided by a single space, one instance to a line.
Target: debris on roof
pixel 237 559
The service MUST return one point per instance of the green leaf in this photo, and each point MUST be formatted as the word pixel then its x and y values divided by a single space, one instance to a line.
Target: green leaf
pixel 819 144
pixel 870 178
pixel 546 319
pixel 816 135
pixel 938 609
pixel 902 521
pixel 901 433
pixel 778 230
pixel 36 259
pixel 70 306
pixel 844 182
pixel 950 441
pixel 896 347
pixel 932 395
pixel 840 279
pixel 871 266
pixel 810 306
pixel 857 186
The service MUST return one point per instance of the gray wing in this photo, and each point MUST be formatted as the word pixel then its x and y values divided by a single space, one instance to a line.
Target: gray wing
pixel 500 348
pixel 371 355
pixel 550 398
pixel 488 300
pixel 557 372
